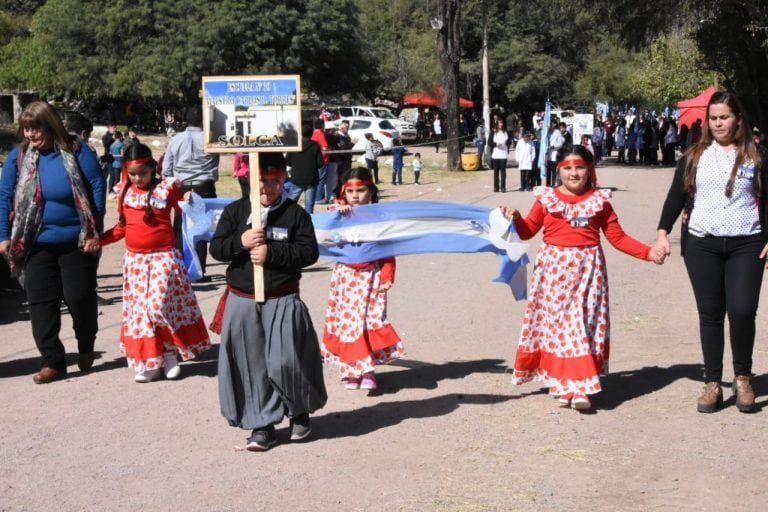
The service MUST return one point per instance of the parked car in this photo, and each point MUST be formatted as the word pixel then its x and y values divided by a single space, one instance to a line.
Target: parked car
pixel 405 128
pixel 382 130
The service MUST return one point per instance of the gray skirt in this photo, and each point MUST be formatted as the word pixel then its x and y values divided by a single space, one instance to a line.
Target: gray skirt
pixel 269 362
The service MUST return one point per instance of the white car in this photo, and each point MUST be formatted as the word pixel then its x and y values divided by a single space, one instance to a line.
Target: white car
pixel 405 128
pixel 384 133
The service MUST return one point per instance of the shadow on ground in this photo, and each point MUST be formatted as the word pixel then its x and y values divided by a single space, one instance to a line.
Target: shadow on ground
pixel 624 386
pixel 365 420
pixel 424 375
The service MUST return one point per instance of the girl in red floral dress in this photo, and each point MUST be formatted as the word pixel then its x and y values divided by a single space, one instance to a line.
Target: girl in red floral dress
pixel 161 317
pixel 565 337
pixel 358 335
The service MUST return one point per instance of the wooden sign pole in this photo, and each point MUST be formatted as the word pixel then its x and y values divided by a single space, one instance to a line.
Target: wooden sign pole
pixel 255 179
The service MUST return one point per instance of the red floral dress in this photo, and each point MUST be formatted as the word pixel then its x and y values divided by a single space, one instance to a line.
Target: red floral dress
pixel 160 311
pixel 565 338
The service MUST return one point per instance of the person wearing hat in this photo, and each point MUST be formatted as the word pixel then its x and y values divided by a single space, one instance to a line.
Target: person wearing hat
pixel 269 360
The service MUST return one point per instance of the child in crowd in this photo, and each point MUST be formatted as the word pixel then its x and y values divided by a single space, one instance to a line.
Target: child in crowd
pixel 372 156
pixel 116 150
pixel 417 167
pixel 161 317
pixel 525 153
pixel 398 151
pixel 358 335
pixel 565 336
pixel 269 360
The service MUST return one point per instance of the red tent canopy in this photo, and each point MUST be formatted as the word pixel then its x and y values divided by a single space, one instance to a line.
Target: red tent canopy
pixel 433 98
pixel 695 108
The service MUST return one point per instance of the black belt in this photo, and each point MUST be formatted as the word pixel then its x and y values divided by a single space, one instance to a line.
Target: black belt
pixel 195 183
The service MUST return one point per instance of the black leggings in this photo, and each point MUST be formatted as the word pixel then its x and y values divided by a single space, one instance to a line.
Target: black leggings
pixel 726 274
pixel 499 166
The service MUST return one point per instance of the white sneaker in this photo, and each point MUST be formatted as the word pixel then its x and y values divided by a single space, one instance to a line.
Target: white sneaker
pixel 171 366
pixel 146 376
pixel 112 195
pixel 580 402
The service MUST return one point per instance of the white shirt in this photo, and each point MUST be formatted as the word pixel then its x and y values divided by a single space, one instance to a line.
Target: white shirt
pixel 714 213
pixel 437 127
pixel 524 154
pixel 556 141
pixel 500 148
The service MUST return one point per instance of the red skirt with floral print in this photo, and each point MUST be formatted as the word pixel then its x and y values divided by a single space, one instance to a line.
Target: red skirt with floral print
pixel 357 333
pixel 564 342
pixel 160 311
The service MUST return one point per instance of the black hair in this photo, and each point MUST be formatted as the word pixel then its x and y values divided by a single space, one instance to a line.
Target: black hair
pixel 139 151
pixel 271 159
pixel 576 149
pixel 364 174
pixel 194 116
pixel 77 123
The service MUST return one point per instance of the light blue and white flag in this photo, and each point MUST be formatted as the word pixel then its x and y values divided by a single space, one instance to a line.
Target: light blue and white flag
pixel 376 231
pixel 544 142
pixel 198 222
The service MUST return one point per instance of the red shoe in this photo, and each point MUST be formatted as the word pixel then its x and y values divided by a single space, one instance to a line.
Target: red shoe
pixel 565 399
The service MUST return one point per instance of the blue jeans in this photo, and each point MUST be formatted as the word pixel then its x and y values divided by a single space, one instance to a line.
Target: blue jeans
pixel 309 196
pixel 320 189
pixel 327 184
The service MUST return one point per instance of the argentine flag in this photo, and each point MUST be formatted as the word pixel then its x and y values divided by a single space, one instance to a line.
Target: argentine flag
pixel 382 230
pixel 375 231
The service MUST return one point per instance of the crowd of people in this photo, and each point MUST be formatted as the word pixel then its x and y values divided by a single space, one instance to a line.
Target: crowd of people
pixel 52 204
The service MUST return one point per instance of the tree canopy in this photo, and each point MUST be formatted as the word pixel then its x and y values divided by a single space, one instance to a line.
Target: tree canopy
pixel 574 52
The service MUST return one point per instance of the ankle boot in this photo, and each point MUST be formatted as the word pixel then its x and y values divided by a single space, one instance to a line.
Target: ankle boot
pixel 745 395
pixel 711 398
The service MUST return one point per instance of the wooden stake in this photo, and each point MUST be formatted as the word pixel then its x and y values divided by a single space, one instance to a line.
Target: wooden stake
pixel 254 176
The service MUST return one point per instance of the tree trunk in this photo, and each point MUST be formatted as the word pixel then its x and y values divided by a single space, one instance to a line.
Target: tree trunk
pixel 449 51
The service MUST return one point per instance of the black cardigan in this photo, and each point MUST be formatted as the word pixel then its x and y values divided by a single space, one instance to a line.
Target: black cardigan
pixel 678 200
pixel 285 257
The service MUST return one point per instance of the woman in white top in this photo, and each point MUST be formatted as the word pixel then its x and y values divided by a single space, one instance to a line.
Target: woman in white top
pixel 499 141
pixel 719 186
pixel 437 131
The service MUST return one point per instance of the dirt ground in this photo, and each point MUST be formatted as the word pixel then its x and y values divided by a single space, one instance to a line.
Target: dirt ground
pixel 446 431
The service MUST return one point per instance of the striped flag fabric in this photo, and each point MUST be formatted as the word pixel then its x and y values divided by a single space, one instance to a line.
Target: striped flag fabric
pixel 382 230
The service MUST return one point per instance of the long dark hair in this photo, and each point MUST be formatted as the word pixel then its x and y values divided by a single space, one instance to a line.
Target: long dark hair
pixel 363 174
pixel 138 151
pixel 745 146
